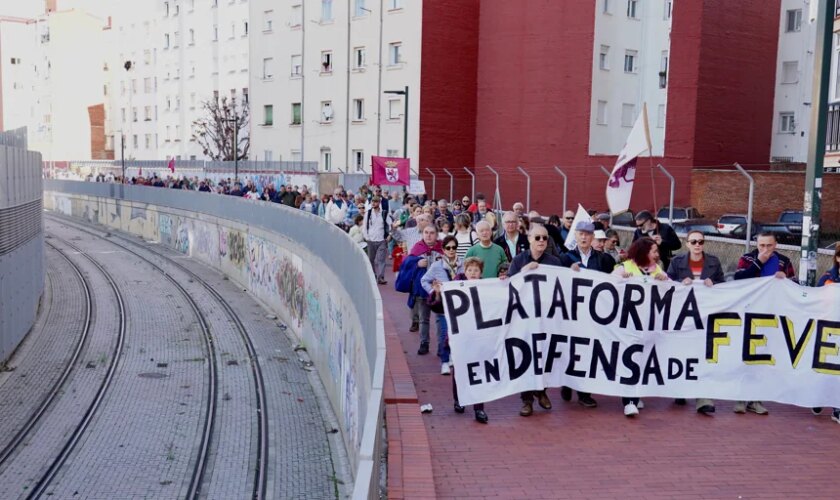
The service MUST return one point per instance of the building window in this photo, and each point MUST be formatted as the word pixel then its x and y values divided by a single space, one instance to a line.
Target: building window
pixel 134 114
pixel 395 109
pixel 326 61
pixel 632 9
pixel 360 8
pixel 392 153
pixel 176 40
pixel 268 21
pixel 148 141
pixel 326 11
pixel 296 113
pixel 326 111
pixel 628 114
pixel 394 53
pixel 165 9
pixel 245 28
pixel 359 160
pixel 268 70
pixel 122 114
pixel 147 113
pixel 358 109
pixel 663 70
pixel 268 115
pixel 245 95
pixel 297 17
pixel 135 142
pixel 660 116
pixel 790 71
pixel 793 20
pixel 166 40
pixel 601 116
pixel 297 65
pixel 326 159
pixel 168 134
pixel 607 7
pixel 192 36
pixel 359 57
pixel 787 123
pixel 296 155
pixel 215 32
pixel 268 155
pixel 395 4
pixel 669 7
pixel 630 61
pixel 604 58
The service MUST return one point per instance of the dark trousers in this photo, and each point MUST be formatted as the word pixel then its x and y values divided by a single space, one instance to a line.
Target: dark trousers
pixel 479 406
pixel 528 396
pixel 626 401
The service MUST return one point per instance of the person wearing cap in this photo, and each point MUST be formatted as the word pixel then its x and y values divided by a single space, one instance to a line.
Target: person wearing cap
pixel 664 235
pixel 585 256
pixel 602 221
pixel 599 238
pixel 535 256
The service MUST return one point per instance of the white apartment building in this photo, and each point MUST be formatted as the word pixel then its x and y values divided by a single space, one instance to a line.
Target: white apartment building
pixel 182 53
pixel 794 82
pixel 630 68
pixel 68 82
pixel 18 57
pixel 320 70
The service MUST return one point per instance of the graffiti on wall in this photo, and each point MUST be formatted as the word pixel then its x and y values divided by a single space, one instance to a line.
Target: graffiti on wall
pixel 182 241
pixel 165 224
pixel 275 272
pixel 204 241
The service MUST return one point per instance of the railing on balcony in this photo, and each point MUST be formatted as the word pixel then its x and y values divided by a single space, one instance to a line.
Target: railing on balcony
pixel 832 129
pixel 836 8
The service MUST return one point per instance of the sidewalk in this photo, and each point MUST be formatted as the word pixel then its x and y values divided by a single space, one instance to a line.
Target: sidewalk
pixel 573 452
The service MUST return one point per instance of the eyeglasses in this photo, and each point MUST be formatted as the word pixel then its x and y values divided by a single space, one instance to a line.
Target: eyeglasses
pixel 696 242
pixel 569 218
pixel 616 242
pixel 641 224
pixel 540 237
pixel 510 222
pixel 451 247
pixel 465 201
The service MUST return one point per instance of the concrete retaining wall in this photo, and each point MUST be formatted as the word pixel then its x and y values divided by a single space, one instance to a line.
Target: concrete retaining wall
pixel 305 270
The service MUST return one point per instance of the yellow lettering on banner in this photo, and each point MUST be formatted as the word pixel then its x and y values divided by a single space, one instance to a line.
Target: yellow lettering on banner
pixel 757 341
pixel 825 351
pixel 721 340
pixel 792 337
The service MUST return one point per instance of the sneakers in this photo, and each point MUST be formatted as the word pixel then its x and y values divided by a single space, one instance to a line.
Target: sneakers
pixel 565 394
pixel 381 281
pixel 706 409
pixel 740 407
pixel 415 327
pixel 630 410
pixel 481 416
pixel 587 401
pixel 527 410
pixel 542 399
pixel 444 369
pixel 424 349
pixel 836 416
pixel 757 408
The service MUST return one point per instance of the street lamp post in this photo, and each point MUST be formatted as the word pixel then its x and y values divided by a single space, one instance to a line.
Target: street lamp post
pixel 122 154
pixel 405 117
pixel 235 122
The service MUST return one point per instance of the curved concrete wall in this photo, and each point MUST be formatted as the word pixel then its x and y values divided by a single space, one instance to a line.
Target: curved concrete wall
pixel 304 269
pixel 21 243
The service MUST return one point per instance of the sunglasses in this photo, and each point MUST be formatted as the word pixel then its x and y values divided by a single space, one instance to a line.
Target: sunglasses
pixel 465 201
pixel 641 224
pixel 569 218
pixel 451 247
pixel 540 237
pixel 696 242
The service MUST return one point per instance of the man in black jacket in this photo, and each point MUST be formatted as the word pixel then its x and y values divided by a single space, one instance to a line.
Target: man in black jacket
pixel 583 256
pixel 663 234
pixel 525 261
pixel 512 241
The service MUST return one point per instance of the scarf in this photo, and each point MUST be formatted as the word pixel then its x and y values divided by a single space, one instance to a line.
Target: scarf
pixel 421 249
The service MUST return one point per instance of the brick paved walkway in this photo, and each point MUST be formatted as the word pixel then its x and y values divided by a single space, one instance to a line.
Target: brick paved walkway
pixel 573 452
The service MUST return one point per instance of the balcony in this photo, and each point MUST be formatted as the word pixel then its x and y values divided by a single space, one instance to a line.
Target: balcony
pixel 832 129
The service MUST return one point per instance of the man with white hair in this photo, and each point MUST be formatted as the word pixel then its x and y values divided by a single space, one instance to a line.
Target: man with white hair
pixel 336 210
pixel 518 208
pixel 490 253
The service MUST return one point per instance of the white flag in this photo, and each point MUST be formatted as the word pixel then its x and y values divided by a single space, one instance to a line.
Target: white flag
pixel 581 216
pixel 620 185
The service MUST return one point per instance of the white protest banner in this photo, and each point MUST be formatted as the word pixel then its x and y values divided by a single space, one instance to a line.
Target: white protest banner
pixel 759 339
pixel 417 186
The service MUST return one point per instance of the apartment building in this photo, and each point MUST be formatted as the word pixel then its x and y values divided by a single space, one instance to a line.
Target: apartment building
pixel 18 56
pixel 168 59
pixel 323 75
pixel 630 68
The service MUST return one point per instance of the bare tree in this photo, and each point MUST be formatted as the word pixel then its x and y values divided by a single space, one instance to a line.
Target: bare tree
pixel 215 131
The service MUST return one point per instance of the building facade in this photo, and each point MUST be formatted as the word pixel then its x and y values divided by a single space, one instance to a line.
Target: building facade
pixel 18 55
pixel 321 73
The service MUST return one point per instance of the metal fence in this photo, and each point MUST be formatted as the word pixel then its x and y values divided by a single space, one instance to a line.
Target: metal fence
pixel 15 138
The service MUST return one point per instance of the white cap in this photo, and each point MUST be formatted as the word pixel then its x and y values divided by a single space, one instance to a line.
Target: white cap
pixel 600 235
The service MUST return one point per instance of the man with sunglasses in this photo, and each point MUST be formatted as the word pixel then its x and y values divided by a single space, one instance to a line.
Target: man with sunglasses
pixel 696 265
pixel 663 234
pixel 530 259
pixel 566 226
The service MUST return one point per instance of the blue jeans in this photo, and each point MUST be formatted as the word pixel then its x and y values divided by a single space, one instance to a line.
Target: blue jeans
pixel 442 331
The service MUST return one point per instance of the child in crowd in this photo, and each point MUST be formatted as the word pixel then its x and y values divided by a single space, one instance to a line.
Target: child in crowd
pixel 398 254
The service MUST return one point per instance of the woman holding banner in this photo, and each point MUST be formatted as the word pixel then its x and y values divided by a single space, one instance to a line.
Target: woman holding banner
pixel 832 276
pixel 642 260
pixel 692 266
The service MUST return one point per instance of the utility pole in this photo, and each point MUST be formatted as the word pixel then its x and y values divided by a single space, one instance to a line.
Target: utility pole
pixel 816 144
pixel 122 154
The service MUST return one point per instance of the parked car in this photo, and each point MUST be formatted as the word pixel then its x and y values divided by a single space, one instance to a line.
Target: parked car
pixel 730 222
pixel 783 233
pixel 626 218
pixel 681 214
pixel 708 227
pixel 792 219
